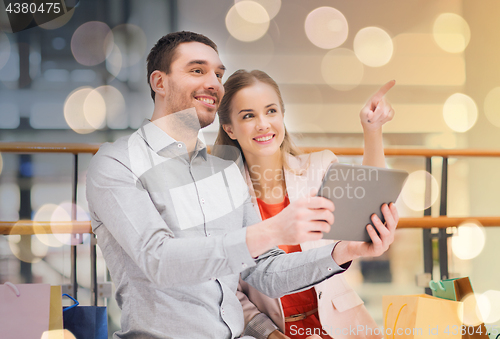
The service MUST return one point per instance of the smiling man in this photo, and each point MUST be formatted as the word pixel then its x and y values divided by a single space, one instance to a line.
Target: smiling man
pixel 176 225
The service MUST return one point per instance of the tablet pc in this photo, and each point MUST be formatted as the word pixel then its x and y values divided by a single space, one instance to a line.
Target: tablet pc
pixel 357 192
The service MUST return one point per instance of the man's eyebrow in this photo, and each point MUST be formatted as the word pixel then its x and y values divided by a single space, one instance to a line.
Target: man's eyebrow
pixel 197 62
pixel 203 62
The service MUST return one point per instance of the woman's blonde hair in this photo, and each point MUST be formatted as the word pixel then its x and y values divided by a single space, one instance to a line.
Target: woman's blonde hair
pixel 235 83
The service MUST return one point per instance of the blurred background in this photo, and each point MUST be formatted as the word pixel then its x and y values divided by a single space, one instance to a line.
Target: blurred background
pixel 82 78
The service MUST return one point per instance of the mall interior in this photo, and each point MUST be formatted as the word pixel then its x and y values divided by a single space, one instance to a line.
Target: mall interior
pixel 71 84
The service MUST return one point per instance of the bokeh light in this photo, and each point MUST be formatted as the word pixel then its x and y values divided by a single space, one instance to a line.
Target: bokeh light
pixel 62 212
pixel 492 106
pixel 114 62
pixel 91 43
pixel 469 240
pixel 460 112
pixel 248 55
pixel 341 69
pixel 471 313
pixel 57 22
pixel 451 32
pixel 326 27
pixel 116 114
pixel 414 191
pixel 247 21
pixel 271 6
pixel 85 110
pixel 4 49
pixel 373 46
pixel 44 213
pixel 131 42
pixel 31 251
pixel 489 306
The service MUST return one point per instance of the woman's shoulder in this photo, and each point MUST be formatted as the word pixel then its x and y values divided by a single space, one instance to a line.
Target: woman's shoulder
pixel 321 158
pixel 305 164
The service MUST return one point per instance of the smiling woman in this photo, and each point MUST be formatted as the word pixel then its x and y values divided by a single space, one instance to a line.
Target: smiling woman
pixel 251 119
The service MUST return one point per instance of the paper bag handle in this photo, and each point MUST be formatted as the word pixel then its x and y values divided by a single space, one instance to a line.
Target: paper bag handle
pixel 432 285
pixel 396 321
pixel 74 305
pixel 13 287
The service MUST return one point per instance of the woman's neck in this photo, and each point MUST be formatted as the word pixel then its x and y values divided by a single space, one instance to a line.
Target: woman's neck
pixel 268 178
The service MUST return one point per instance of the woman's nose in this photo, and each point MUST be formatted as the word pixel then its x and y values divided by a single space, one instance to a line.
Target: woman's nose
pixel 263 123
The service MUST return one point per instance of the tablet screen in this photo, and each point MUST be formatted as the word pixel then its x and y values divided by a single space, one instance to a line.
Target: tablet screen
pixel 357 192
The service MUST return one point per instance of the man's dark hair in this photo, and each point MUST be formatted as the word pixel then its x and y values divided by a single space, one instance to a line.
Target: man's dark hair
pixel 161 55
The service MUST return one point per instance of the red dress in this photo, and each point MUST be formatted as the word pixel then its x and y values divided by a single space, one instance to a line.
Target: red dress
pixel 300 302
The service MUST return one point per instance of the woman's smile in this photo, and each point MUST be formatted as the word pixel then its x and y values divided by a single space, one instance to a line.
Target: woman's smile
pixel 265 139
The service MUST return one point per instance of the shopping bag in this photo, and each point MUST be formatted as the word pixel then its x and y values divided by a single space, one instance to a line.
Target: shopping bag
pixel 460 289
pixel 86 322
pixel 55 313
pixel 24 310
pixel 421 316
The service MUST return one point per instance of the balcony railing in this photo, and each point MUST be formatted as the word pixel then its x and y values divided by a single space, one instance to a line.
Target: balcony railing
pixel 426 223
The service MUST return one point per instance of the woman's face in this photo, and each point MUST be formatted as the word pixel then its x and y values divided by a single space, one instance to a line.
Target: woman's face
pixel 257 120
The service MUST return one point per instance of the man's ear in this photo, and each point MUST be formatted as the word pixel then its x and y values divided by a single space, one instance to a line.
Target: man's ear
pixel 157 81
pixel 229 130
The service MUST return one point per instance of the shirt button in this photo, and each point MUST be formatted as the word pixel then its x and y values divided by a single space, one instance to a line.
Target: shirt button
pixel 179 145
pixel 244 265
pixel 329 269
pixel 208 234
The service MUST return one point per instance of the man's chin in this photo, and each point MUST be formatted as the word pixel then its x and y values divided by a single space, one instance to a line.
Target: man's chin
pixel 204 122
pixel 206 118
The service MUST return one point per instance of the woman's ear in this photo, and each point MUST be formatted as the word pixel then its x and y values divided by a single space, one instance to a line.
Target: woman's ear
pixel 229 130
pixel 156 79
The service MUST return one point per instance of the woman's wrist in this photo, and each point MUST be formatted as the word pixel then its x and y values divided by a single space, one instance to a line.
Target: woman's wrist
pixel 342 253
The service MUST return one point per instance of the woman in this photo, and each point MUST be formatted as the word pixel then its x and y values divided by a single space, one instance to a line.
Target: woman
pixel 251 119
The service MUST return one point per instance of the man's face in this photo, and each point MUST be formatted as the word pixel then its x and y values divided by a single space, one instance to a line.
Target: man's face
pixel 195 80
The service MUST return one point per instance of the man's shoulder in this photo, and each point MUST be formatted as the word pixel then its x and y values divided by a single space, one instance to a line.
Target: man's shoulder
pixel 122 148
pixel 112 155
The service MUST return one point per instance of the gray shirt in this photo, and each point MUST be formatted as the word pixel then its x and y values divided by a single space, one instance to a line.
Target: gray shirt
pixel 172 231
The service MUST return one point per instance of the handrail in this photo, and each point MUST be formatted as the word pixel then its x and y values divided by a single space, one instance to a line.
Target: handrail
pixel 28 227
pixel 74 148
pixel 42 147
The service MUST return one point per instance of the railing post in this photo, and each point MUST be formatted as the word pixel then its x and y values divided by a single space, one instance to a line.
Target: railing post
pixel 93 270
pixel 443 236
pixel 74 237
pixel 426 233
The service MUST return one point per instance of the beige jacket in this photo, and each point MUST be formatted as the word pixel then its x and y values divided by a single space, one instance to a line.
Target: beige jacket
pixel 340 309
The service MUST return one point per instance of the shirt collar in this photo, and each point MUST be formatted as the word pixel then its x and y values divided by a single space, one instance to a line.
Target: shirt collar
pixel 158 139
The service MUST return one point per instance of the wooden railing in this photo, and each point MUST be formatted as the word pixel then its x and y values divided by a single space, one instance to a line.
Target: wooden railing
pixel 26 227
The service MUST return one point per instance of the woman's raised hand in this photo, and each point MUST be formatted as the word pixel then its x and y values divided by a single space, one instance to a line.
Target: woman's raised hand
pixel 377 111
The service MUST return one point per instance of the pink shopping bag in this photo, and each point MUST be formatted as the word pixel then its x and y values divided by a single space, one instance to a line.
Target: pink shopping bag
pixel 24 310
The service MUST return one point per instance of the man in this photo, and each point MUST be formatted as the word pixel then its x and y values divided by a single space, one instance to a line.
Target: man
pixel 176 225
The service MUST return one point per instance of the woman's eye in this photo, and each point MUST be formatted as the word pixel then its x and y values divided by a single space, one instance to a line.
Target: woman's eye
pixel 248 115
pixel 272 110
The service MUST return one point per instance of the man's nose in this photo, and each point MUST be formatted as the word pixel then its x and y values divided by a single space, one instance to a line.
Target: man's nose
pixel 212 82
